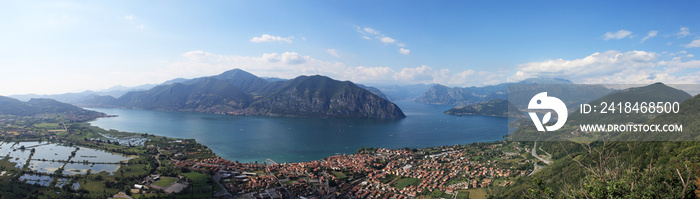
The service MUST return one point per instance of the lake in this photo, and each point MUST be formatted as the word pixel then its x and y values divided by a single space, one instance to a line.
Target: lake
pixel 287 139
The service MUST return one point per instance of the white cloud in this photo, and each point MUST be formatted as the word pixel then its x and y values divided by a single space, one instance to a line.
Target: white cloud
pixel 271 57
pixel 387 40
pixel 198 55
pixel 651 34
pixel 270 38
pixel 693 44
pixel 292 58
pixel 367 32
pixel 371 31
pixel 426 74
pixel 685 31
pixel 404 51
pixel 419 74
pixel 333 52
pixel 129 17
pixel 292 64
pixel 368 74
pixel 613 67
pixel 616 35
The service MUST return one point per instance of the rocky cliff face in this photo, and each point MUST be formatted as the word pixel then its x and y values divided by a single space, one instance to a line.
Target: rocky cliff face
pixel 318 96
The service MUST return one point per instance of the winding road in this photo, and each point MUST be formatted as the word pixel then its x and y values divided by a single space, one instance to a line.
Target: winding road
pixel 534 153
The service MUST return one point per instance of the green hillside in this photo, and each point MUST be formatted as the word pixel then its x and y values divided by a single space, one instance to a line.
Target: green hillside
pixel 623 169
pixel 497 107
pixel 47 108
pixel 571 131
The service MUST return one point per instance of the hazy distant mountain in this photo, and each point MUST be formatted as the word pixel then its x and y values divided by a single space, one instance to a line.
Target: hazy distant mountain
pixel 65 98
pixel 570 93
pixel 374 90
pixel 440 94
pixel 10 106
pixel 239 92
pixel 72 98
pixel 403 92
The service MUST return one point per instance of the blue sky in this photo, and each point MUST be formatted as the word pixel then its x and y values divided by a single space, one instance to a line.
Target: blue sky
pixel 49 47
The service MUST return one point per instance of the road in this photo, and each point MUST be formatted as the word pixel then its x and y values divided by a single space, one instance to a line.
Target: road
pixel 534 153
pixel 224 192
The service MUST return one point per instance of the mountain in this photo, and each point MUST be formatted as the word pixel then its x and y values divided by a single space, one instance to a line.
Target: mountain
pixel 241 93
pixel 657 92
pixel 687 116
pixel 66 97
pixel 519 93
pixel 33 107
pixel 319 96
pixel 572 95
pixel 647 160
pixel 497 107
pixel 444 95
pixel 207 95
pixel 403 92
pixel 243 80
pixel 105 101
pixel 374 91
pixel 73 98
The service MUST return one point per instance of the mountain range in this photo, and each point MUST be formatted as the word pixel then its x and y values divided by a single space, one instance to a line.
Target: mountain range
pixel 651 161
pixel 657 92
pixel 238 92
pixel 518 92
pixel 47 107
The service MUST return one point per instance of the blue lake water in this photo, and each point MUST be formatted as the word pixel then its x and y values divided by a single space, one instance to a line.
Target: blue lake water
pixel 285 139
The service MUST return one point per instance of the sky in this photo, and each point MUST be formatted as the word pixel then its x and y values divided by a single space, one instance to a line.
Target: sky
pixel 52 47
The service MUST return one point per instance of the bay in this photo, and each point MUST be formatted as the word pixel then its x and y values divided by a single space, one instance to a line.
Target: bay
pixel 289 139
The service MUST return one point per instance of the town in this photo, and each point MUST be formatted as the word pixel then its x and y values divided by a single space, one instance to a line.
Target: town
pixel 160 167
pixel 375 173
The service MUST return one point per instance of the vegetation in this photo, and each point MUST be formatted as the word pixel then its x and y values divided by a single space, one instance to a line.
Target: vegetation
pixel 404 182
pixel 202 186
pixel 497 107
pixel 340 175
pixel 580 169
pixel 241 93
pixel 520 92
pixel 165 181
